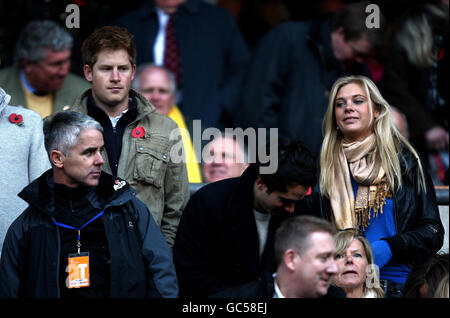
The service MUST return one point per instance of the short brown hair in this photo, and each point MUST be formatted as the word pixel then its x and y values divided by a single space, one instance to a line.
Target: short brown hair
pixel 294 233
pixel 108 38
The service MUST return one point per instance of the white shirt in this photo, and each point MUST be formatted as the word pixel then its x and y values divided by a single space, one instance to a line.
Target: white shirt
pixel 276 292
pixel 114 120
pixel 262 225
pixel 160 40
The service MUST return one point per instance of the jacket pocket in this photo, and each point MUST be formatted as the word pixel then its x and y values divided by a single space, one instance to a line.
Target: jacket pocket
pixel 151 164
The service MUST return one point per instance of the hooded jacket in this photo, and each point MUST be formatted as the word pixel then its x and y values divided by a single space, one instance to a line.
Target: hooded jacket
pixel 140 259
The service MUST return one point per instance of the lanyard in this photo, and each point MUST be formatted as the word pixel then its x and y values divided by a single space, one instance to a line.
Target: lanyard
pixel 79 230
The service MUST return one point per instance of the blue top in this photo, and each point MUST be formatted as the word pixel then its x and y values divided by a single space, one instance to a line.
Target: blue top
pixel 383 226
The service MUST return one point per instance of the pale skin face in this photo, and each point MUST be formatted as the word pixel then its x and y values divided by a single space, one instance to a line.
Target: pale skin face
pixel 154 84
pixel 49 74
pixel 312 271
pixel 348 52
pixel 169 6
pixel 111 78
pixel 83 165
pixel 277 202
pixel 352 264
pixel 354 116
pixel 223 159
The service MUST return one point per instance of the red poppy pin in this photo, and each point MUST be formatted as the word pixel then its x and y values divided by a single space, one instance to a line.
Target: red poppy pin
pixel 138 132
pixel 16 119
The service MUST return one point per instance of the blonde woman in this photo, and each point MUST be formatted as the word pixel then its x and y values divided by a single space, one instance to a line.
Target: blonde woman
pixel 357 274
pixel 372 179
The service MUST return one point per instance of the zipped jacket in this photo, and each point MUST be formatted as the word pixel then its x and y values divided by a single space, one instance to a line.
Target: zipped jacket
pixel 147 164
pixel 140 259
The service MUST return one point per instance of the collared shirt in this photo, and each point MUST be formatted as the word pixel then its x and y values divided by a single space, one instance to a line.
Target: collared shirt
pixel 160 40
pixel 276 292
pixel 113 134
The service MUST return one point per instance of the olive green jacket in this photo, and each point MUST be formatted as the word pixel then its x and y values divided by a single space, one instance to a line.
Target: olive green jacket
pixel 147 165
pixel 73 86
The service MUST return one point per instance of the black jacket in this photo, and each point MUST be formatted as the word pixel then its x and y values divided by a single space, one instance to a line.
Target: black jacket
pixel 213 54
pixel 289 81
pixel 216 250
pixel 420 233
pixel 140 259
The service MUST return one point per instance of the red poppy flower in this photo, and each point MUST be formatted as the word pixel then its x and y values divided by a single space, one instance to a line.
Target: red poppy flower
pixel 16 119
pixel 138 132
pixel 309 191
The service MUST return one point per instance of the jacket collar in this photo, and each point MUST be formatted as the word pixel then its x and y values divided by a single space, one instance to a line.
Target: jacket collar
pixel 4 100
pixel 144 107
pixel 112 191
pixel 319 38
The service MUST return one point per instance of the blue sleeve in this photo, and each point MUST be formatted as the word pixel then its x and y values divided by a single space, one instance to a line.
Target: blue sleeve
pixel 381 253
pixel 162 280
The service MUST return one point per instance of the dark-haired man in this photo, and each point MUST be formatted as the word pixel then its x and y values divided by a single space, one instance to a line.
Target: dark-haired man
pixel 224 243
pixel 295 65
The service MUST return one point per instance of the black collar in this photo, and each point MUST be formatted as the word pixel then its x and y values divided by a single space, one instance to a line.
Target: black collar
pixel 98 114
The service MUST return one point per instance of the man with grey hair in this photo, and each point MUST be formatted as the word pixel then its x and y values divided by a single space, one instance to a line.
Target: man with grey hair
pixel 40 78
pixel 158 85
pixel 85 234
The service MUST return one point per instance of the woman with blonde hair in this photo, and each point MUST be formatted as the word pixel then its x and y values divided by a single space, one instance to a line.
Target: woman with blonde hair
pixel 372 179
pixel 357 274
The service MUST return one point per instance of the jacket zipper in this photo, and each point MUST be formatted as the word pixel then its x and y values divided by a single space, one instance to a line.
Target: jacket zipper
pixel 58 243
pixel 395 215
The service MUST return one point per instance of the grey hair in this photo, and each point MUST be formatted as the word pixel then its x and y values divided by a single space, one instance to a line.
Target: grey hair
pixel 39 35
pixel 141 68
pixel 63 129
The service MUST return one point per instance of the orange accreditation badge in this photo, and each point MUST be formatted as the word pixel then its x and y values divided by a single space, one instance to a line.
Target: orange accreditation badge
pixel 78 270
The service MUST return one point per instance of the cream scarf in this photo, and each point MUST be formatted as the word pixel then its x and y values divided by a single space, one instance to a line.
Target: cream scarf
pixel 362 160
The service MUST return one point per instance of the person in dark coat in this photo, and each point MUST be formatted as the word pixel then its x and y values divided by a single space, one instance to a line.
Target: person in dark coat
pixel 212 55
pixel 296 64
pixel 85 234
pixel 224 243
pixel 372 179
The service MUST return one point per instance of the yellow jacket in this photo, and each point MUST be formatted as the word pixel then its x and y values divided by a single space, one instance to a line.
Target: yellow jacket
pixel 192 166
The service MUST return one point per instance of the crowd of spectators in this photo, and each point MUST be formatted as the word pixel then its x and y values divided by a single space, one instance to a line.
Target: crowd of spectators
pixel 94 189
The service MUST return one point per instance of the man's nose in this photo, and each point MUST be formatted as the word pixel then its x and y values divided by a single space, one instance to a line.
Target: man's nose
pixel 99 160
pixel 115 77
pixel 332 268
pixel 64 68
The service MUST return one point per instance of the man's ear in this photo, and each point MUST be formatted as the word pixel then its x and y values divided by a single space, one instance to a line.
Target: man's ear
pixel 290 258
pixel 87 70
pixel 26 65
pixel 57 158
pixel 133 71
pixel 259 183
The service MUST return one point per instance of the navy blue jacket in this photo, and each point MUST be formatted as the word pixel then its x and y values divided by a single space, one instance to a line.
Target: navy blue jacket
pixel 214 57
pixel 290 79
pixel 140 259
